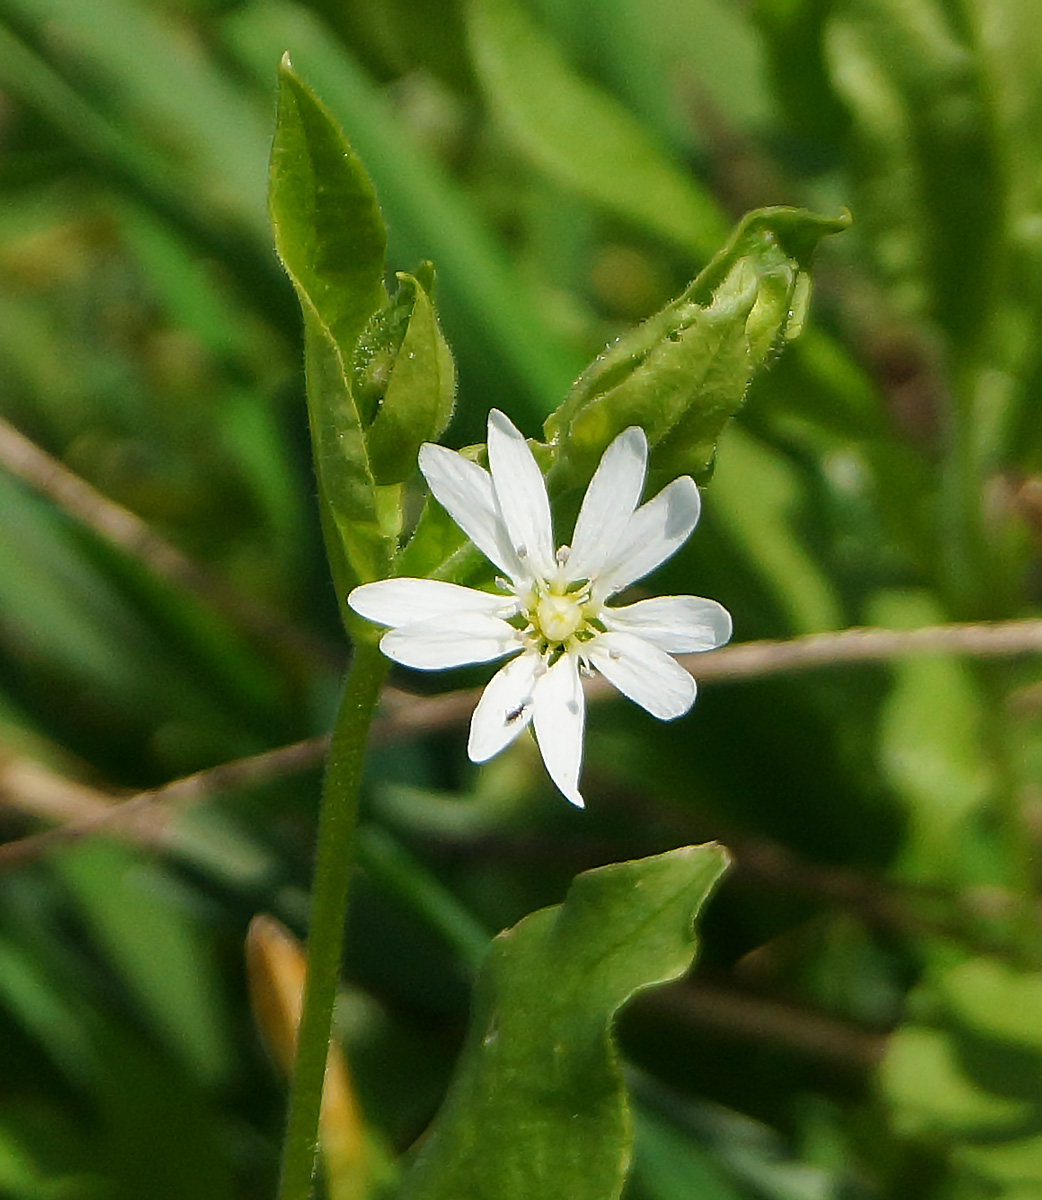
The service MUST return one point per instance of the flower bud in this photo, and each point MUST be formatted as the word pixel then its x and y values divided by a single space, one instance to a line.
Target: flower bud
pixel 403 378
pixel 684 372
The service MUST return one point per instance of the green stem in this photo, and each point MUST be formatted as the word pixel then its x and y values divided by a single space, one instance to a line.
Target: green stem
pixel 336 828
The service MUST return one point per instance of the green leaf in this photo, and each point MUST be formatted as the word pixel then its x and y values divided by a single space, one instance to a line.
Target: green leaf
pixel 328 230
pixel 969 1079
pixel 497 316
pixel 36 1002
pixel 683 373
pixel 995 997
pixel 933 752
pixel 331 238
pixel 408 376
pixel 923 1081
pixel 583 137
pixel 671 1165
pixel 537 1106
pixel 931 176
pixel 792 43
pixel 156 946
pixel 760 499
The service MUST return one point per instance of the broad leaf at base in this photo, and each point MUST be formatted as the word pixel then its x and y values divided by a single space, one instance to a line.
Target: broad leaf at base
pixel 537 1107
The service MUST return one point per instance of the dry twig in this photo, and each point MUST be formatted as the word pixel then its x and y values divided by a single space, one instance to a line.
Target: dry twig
pixel 405 715
pixel 127 531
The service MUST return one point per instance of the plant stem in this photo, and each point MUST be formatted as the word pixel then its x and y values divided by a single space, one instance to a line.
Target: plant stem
pixel 337 819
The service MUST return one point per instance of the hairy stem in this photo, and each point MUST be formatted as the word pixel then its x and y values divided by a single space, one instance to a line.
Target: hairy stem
pixel 336 829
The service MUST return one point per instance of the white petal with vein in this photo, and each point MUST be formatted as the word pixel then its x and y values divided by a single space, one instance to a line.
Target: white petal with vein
pixel 521 493
pixel 609 502
pixel 676 624
pixel 656 531
pixel 560 716
pixel 402 601
pixel 647 675
pixel 450 641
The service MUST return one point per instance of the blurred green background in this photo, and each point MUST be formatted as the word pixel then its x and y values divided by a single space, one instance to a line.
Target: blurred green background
pixel 866 1019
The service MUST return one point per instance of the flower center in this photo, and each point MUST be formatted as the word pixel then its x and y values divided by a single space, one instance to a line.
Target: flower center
pixel 558 617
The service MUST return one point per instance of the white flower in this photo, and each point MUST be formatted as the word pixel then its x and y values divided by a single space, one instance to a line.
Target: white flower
pixel 551 612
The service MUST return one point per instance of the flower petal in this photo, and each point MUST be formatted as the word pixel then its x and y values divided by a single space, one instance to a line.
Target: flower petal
pixel 403 601
pixel 560 715
pixel 505 707
pixel 466 493
pixel 644 673
pixel 613 494
pixel 656 531
pixel 676 624
pixel 450 641
pixel 521 493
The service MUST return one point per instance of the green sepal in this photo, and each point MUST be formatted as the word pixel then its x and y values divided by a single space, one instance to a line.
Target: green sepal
pixel 683 373
pixel 405 378
pixel 331 240
pixel 537 1106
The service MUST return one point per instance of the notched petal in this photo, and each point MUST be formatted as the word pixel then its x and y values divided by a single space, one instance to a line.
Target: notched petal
pixel 404 601
pixel 559 721
pixel 655 532
pixel 644 673
pixel 613 494
pixel 521 493
pixel 465 491
pixel 450 641
pixel 676 624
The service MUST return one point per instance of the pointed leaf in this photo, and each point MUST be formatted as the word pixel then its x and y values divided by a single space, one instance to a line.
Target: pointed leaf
pixel 330 238
pixel 328 230
pixel 155 945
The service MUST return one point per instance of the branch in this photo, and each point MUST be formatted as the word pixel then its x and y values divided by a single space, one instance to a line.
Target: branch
pixel 37 791
pixel 406 715
pixel 979 639
pixel 702 1005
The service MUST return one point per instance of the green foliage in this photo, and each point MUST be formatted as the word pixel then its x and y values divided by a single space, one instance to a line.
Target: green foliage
pixel 967 1076
pixel 404 375
pixel 537 1103
pixel 568 166
pixel 685 372
pixel 331 238
pixel 581 136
